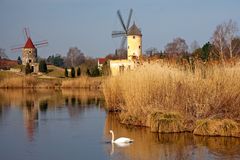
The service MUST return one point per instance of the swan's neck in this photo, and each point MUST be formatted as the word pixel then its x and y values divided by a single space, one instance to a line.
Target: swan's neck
pixel 112 137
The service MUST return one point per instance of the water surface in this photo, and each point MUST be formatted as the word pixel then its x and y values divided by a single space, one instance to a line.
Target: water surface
pixel 70 124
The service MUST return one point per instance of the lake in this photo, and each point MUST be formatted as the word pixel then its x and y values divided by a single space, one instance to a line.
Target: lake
pixel 73 124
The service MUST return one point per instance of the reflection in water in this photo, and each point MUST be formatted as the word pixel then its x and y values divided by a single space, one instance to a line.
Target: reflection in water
pixel 58 120
pixel 34 101
pixel 149 145
pixel 30 113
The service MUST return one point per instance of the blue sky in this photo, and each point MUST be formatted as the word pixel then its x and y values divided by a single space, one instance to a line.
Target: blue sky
pixel 87 24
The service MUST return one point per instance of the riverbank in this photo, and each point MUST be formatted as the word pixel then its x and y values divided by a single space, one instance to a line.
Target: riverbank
pixel 10 80
pixel 167 98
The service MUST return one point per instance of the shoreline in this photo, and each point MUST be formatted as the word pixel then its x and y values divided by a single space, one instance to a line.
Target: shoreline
pixel 169 123
pixel 171 98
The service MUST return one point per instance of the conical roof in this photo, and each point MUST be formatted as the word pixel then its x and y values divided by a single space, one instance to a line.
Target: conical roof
pixel 134 30
pixel 29 44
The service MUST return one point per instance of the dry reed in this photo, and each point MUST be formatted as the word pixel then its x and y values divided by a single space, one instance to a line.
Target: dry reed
pixel 83 82
pixel 209 92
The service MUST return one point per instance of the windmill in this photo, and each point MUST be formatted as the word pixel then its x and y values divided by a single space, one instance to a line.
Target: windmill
pixel 124 32
pixel 29 49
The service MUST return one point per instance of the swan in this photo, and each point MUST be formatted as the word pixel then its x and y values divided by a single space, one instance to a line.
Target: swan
pixel 120 140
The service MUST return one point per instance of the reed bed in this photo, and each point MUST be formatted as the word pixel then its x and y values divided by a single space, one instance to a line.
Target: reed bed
pixel 83 82
pixel 208 92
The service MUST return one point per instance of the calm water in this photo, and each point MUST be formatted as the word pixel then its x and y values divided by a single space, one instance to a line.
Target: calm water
pixel 37 125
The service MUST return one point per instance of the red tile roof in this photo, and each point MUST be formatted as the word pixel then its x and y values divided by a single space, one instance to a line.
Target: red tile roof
pixel 102 60
pixel 29 44
pixel 6 63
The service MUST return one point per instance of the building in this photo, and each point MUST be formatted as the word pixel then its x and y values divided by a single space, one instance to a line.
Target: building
pixel 134 52
pixel 29 55
pixel 101 61
pixel 6 64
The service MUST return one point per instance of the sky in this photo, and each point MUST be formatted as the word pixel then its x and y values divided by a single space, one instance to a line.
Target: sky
pixel 88 24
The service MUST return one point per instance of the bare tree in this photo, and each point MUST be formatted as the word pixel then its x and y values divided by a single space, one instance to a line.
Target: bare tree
pixel 74 57
pixel 177 47
pixel 236 47
pixel 231 30
pixel 2 53
pixel 223 37
pixel 219 41
pixel 194 45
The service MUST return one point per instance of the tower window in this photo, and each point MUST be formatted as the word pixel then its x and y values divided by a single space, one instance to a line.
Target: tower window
pixel 133 37
pixel 139 47
pixel 29 51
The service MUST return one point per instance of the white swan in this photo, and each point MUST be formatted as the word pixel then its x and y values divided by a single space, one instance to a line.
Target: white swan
pixel 121 139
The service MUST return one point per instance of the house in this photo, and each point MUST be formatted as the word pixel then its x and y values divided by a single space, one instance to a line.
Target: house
pixel 101 61
pixel 134 52
pixel 6 64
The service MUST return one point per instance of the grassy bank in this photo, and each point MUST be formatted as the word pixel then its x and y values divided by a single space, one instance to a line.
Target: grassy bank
pixel 211 92
pixel 11 81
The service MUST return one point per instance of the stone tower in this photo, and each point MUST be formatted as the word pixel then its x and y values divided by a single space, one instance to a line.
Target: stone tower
pixel 134 41
pixel 29 53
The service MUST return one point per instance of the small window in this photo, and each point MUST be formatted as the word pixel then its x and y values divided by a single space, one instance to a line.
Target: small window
pixel 29 51
pixel 30 61
pixel 133 37
pixel 139 47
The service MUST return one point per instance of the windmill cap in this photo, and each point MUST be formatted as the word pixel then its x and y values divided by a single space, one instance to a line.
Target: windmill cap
pixel 134 30
pixel 29 44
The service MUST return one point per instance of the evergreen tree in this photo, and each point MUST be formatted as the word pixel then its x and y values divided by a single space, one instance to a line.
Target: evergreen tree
pixel 19 60
pixel 78 71
pixel 27 69
pixel 88 72
pixel 72 72
pixel 43 66
pixel 206 49
pixel 95 72
pixel 66 72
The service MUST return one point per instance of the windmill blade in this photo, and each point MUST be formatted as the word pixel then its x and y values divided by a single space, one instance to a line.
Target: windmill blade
pixel 26 31
pixel 121 20
pixel 129 18
pixel 16 49
pixel 41 43
pixel 123 42
pixel 118 34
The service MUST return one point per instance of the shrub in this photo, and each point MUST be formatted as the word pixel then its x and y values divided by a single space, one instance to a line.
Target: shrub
pixel 73 72
pixel 66 72
pixel 78 71
pixel 28 69
pixel 43 66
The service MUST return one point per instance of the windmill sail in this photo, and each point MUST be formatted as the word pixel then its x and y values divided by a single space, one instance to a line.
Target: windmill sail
pixel 125 28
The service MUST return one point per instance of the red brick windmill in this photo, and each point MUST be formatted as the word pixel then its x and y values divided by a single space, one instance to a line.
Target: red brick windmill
pixel 29 50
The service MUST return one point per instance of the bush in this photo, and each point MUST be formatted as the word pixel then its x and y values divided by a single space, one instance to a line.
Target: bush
pixel 28 69
pixel 66 72
pixel 72 72
pixel 78 71
pixel 42 66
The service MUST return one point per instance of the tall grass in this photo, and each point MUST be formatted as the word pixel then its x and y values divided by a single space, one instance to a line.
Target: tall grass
pixel 83 82
pixel 208 92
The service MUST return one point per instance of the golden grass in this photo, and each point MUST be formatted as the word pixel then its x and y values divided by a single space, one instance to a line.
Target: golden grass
pixel 83 82
pixel 212 91
pixel 54 71
pixel 30 81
